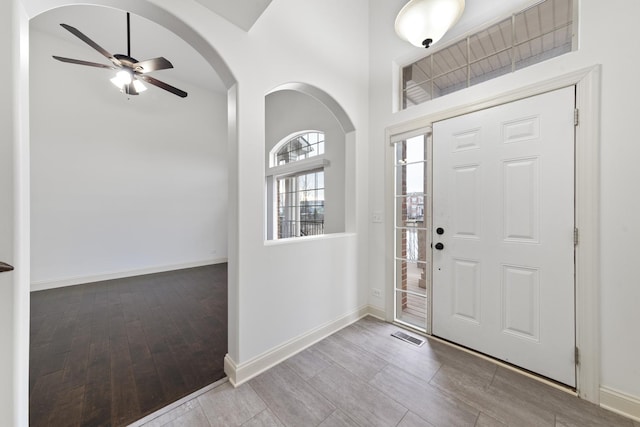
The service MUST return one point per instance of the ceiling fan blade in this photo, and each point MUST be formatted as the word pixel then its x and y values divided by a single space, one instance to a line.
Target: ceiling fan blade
pixel 90 42
pixel 163 85
pixel 153 64
pixel 81 62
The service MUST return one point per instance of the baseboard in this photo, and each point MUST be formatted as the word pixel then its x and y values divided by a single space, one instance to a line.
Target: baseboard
pixel 72 281
pixel 377 312
pixel 620 403
pixel 243 372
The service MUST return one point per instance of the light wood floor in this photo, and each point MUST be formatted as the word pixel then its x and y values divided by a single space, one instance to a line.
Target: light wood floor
pixel 361 376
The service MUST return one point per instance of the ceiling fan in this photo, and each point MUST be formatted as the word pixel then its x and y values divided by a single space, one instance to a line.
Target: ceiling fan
pixel 131 71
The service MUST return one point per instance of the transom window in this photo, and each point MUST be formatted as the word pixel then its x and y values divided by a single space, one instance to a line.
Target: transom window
pixel 301 147
pixel 536 34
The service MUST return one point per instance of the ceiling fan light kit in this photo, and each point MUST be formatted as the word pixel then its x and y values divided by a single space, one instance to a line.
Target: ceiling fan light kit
pixel 423 22
pixel 131 71
pixel 122 78
pixel 123 81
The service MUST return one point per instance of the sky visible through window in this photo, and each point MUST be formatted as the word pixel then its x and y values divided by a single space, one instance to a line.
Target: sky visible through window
pixel 415 165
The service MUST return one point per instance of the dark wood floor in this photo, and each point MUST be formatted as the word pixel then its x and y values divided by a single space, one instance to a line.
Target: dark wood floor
pixel 109 353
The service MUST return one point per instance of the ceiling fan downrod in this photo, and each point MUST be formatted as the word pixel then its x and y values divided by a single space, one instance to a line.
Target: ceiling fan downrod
pixel 128 36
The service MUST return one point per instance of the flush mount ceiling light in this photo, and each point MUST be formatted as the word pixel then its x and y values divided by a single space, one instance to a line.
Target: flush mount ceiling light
pixel 424 22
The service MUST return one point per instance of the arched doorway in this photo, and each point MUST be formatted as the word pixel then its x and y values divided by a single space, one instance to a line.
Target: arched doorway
pixel 182 29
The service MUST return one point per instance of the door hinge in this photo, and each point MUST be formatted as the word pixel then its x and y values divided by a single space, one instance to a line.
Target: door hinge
pixel 576 117
pixel 577 356
pixel 576 236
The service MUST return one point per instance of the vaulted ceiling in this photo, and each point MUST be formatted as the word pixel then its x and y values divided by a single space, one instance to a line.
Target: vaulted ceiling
pixel 107 27
pixel 243 13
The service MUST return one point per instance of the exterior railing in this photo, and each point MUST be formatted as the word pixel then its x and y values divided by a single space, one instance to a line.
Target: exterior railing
pixel 300 228
pixel 412 242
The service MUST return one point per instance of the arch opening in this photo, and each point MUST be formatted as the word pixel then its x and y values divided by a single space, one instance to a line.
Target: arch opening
pixel 183 30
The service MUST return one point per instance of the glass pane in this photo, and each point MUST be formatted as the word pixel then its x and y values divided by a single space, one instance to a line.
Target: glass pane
pixel 491 67
pixel 301 147
pixel 542 48
pixel 416 94
pixel 450 82
pixel 416 73
pixel 411 150
pixel 411 309
pixel 412 244
pixel 543 19
pixel 451 58
pixel 490 41
pixel 302 182
pixel 415 151
pixel 410 179
pixel 410 211
pixel 301 205
pixel 412 276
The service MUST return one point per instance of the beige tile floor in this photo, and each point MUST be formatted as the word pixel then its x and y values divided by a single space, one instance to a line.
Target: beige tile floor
pixel 361 376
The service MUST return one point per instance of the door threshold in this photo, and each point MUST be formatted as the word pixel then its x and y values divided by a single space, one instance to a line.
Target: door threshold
pixel 162 411
pixel 542 379
pixel 529 374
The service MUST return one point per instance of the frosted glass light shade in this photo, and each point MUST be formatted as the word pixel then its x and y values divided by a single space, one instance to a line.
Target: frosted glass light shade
pixel 122 78
pixel 138 86
pixel 424 22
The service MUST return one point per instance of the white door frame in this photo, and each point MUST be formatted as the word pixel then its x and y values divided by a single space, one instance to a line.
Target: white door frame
pixel 587 207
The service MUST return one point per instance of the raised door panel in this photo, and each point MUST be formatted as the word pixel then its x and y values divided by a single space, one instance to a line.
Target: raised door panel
pixel 521 200
pixel 466 290
pixel 521 302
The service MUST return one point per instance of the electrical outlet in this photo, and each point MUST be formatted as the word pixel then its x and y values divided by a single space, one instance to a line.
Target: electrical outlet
pixel 376 217
pixel 376 293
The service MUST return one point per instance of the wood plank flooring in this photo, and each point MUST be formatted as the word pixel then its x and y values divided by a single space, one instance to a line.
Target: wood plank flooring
pixel 109 353
pixel 361 376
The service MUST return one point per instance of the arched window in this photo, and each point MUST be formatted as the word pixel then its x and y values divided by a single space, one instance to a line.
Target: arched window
pixel 297 172
pixel 309 190
pixel 300 147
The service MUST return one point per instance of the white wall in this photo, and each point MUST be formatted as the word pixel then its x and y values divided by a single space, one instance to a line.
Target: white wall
pixel 324 281
pixel 604 39
pixel 14 218
pixel 292 42
pixel 290 111
pixel 121 186
pixel 8 40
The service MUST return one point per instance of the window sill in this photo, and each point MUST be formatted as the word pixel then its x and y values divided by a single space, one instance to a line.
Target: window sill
pixel 298 240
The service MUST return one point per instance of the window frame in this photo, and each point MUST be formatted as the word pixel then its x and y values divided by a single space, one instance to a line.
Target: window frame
pixel 401 96
pixel 296 168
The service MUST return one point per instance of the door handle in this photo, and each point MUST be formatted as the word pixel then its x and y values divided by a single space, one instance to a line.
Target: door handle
pixel 439 246
pixel 5 267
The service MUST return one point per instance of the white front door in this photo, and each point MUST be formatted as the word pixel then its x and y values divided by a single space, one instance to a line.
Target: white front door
pixel 503 232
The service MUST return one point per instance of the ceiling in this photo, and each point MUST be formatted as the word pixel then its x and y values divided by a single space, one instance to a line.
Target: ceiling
pixel 107 27
pixel 479 12
pixel 243 13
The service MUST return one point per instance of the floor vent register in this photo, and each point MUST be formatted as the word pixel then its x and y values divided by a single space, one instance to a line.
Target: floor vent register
pixel 408 338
